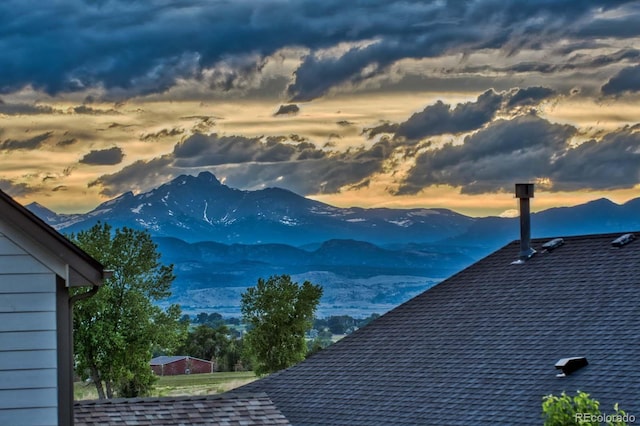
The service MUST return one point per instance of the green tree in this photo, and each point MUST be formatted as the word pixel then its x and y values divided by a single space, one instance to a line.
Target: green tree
pixel 580 410
pixel 215 344
pixel 278 313
pixel 116 329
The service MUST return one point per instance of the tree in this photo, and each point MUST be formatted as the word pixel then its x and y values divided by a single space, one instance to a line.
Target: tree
pixel 116 329
pixel 278 312
pixel 580 410
pixel 215 344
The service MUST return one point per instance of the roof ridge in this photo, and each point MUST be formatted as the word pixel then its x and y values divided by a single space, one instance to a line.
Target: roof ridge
pixel 177 398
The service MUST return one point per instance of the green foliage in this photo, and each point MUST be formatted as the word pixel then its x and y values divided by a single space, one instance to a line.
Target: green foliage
pixel 212 320
pixel 278 313
pixel 116 329
pixel 215 344
pixel 322 341
pixel 580 410
pixel 341 324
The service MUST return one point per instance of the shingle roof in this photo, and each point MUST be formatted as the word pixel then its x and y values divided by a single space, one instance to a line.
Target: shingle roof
pixel 163 359
pixel 222 410
pixel 480 347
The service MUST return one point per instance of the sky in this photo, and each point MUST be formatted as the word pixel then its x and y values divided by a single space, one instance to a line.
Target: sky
pixel 373 103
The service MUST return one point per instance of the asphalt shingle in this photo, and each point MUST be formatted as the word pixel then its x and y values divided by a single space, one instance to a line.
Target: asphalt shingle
pixel 211 410
pixel 480 348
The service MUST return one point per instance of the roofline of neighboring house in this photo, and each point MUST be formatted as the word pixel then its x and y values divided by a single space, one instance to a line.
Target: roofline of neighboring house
pixel 156 399
pixel 179 358
pixel 84 270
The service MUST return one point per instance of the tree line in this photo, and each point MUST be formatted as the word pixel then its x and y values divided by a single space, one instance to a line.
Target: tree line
pixel 119 329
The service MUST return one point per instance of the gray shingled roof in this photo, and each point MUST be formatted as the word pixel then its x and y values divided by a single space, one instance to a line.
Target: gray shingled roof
pixel 222 410
pixel 165 359
pixel 480 347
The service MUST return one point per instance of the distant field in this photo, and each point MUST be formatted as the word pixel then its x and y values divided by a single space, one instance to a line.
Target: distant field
pixel 192 384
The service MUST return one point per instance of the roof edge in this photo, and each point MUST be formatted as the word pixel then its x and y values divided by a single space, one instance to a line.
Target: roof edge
pixel 38 230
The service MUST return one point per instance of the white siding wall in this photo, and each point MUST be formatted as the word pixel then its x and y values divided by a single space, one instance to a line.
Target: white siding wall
pixel 28 357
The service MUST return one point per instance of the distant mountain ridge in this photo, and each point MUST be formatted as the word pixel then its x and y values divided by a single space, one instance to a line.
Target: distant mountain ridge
pixel 200 208
pixel 203 209
pixel 221 240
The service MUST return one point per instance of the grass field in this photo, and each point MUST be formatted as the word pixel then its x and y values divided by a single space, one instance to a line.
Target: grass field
pixel 192 384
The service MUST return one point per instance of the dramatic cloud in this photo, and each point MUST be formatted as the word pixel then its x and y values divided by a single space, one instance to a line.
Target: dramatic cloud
pixel 103 157
pixel 530 149
pixel 201 150
pixel 161 134
pixel 627 80
pixel 14 189
pixel 315 176
pixel 48 46
pixel 25 144
pixel 24 109
pixel 611 163
pixel 66 142
pixel 290 109
pixel 465 27
pixel 83 109
pixel 441 118
pixel 529 96
pixel 254 163
pixel 141 175
pixel 521 149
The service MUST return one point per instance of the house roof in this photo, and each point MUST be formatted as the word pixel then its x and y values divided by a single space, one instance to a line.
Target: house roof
pixel 163 360
pixel 481 347
pixel 83 269
pixel 227 410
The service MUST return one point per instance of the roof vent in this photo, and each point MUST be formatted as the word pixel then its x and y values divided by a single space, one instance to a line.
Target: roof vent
pixel 623 240
pixel 569 365
pixel 553 244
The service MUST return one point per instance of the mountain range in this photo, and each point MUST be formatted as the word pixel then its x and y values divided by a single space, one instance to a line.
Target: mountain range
pixel 222 239
pixel 200 208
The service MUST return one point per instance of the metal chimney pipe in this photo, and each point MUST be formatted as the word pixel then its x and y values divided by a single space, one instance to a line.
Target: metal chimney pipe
pixel 524 191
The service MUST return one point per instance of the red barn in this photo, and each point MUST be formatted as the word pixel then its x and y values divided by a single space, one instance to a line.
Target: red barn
pixel 174 365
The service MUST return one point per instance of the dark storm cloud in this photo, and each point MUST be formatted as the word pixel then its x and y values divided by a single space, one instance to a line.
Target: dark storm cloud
pixel 457 28
pixel 211 150
pixel 380 129
pixel 25 144
pixel 161 134
pixel 441 118
pixel 312 176
pixel 578 62
pixel 627 80
pixel 525 149
pixel 25 109
pixel 66 142
pixel 14 189
pixel 132 48
pixel 103 157
pixel 139 175
pixel 530 96
pixel 611 163
pixel 83 109
pixel 289 109
pixel 492 159
pixel 252 163
pixel 619 27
